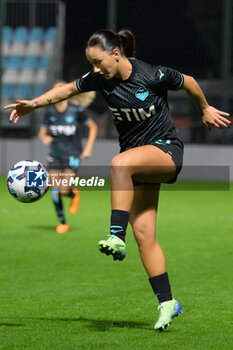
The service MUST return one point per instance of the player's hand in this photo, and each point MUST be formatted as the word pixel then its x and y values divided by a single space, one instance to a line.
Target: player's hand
pixel 85 154
pixel 47 139
pixel 213 117
pixel 20 108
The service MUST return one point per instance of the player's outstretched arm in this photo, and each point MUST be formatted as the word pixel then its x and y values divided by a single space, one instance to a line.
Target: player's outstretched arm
pixel 58 94
pixel 210 115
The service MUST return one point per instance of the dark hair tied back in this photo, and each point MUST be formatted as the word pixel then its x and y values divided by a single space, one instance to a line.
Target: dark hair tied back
pixel 124 40
pixel 127 42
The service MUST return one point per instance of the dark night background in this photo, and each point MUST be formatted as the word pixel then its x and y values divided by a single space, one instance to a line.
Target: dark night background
pixel 183 34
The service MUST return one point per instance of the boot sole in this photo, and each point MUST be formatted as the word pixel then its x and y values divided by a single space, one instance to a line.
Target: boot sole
pixel 104 248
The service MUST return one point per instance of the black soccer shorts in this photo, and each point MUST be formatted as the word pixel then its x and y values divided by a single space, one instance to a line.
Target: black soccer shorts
pixel 71 162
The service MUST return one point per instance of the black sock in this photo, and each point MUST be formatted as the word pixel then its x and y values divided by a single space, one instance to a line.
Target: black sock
pixel 58 205
pixel 119 222
pixel 161 287
pixel 71 193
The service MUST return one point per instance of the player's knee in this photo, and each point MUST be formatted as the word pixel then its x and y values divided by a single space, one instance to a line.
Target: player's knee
pixel 120 164
pixel 144 234
pixel 119 160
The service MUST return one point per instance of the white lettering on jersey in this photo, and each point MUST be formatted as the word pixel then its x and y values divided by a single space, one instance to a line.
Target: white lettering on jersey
pixel 66 130
pixel 115 113
pixel 132 114
pixel 145 114
pixel 127 111
pixel 135 114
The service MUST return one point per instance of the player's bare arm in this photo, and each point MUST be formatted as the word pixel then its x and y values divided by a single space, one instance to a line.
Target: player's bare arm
pixel 55 95
pixel 44 137
pixel 93 128
pixel 210 115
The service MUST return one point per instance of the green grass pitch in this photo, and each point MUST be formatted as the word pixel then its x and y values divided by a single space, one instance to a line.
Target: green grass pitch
pixel 58 291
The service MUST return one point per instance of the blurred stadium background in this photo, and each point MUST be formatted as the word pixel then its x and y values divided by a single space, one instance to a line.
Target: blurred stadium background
pixel 41 43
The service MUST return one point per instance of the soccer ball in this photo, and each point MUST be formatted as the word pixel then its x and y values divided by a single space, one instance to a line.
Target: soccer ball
pixel 27 181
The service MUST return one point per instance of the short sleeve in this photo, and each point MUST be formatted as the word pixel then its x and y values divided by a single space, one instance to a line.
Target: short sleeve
pixel 45 121
pixel 170 78
pixel 88 82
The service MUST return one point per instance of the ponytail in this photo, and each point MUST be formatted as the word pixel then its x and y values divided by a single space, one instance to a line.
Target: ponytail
pixel 127 42
pixel 124 40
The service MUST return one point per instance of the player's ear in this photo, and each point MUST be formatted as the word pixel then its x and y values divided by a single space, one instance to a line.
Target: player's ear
pixel 116 54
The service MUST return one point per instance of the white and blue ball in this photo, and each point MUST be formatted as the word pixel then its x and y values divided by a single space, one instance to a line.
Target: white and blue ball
pixel 27 181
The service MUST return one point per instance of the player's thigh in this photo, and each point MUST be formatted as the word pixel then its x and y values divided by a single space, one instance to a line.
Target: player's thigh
pixel 146 164
pixel 55 178
pixel 67 174
pixel 143 212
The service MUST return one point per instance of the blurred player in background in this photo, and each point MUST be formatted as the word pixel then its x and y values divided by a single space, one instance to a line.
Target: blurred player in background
pixel 61 130
pixel 151 151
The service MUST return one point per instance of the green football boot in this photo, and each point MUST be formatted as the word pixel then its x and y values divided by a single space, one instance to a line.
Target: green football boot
pixel 167 311
pixel 113 246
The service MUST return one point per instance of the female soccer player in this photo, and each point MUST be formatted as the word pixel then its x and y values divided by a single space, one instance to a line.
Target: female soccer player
pixel 61 130
pixel 151 152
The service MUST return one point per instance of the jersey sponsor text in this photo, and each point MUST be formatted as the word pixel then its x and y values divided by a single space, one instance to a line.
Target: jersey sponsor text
pixel 132 114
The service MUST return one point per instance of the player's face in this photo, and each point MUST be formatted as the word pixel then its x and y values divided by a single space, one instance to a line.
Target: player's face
pixel 104 63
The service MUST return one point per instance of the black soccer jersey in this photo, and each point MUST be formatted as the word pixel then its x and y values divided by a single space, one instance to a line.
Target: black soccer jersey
pixel 139 104
pixel 64 127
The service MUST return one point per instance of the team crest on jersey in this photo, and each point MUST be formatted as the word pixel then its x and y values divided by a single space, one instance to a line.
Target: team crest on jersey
pixel 142 94
pixel 69 118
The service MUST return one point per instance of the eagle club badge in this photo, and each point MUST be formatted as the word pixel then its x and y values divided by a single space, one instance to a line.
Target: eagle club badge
pixel 142 94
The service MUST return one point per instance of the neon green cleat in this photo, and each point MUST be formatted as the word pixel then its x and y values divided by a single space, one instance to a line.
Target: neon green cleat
pixel 113 246
pixel 167 311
